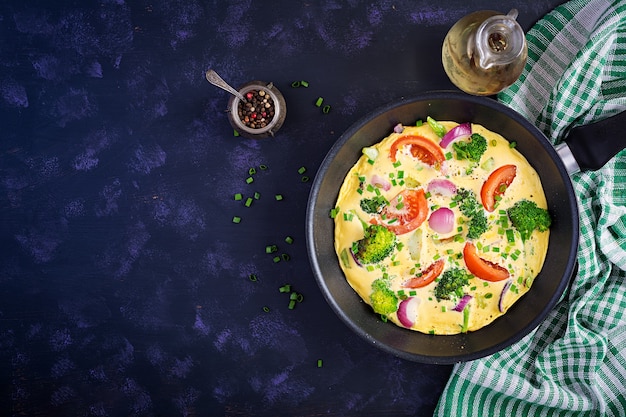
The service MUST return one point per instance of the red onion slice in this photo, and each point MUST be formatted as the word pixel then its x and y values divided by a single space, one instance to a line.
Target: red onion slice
pixel 464 129
pixel 378 181
pixel 356 261
pixel 506 287
pixel 442 220
pixel 462 303
pixel 398 128
pixel 442 187
pixel 407 311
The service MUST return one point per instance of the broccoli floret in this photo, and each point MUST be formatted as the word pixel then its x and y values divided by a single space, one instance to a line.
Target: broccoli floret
pixel 376 245
pixel 373 205
pixel 526 217
pixel 382 299
pixel 473 210
pixel 451 284
pixel 472 149
pixel 477 226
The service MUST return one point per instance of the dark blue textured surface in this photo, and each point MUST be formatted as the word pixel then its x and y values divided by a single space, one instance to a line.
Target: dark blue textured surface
pixel 124 284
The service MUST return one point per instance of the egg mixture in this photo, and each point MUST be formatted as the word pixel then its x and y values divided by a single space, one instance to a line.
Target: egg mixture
pixel 419 182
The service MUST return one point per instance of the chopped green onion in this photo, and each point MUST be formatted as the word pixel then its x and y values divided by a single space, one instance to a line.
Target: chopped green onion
pixel 510 237
pixel 285 257
pixel 488 295
pixel 437 127
pixel 276 259
pixel 235 133
pixel 319 363
pixel 301 170
pixel 249 180
pixel 263 167
pixel 319 101
pixel 278 197
pixel 292 304
pixel 252 171
pixel 513 145
pixel 326 109
pixel 333 212
pixel 419 123
pixel 466 314
pixel 238 196
pixel 304 83
pixel 252 277
pixel 289 240
pixel 236 219
pixel 285 288
pixel 266 309
pixel 248 202
pixel 271 248
pixel 257 195
pixel 296 84
pixel 304 178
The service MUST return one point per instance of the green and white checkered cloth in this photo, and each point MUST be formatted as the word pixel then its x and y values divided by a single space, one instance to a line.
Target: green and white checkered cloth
pixel 574 363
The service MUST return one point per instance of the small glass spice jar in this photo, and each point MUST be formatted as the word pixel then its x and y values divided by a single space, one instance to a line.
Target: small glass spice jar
pixel 262 112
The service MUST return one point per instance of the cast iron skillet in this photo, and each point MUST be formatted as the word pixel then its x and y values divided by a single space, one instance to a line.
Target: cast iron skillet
pixel 528 312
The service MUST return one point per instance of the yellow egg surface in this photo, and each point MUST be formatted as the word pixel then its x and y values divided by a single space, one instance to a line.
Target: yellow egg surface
pixel 422 192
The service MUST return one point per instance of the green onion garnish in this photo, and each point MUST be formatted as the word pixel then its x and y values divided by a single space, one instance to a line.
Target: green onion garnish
pixel 278 197
pixel 326 109
pixel 249 180
pixel 289 240
pixel 319 101
pixel 252 277
pixel 238 196
pixel 236 219
pixel 319 363
pixel 301 170
pixel 252 171
pixel 248 202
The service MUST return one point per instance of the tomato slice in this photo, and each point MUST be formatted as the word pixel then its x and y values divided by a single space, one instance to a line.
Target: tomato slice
pixel 423 149
pixel 482 268
pixel 427 276
pixel 497 183
pixel 406 211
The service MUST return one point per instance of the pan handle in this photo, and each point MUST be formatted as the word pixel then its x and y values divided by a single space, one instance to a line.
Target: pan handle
pixel 589 147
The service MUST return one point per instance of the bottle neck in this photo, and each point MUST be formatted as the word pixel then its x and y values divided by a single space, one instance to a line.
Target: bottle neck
pixel 499 40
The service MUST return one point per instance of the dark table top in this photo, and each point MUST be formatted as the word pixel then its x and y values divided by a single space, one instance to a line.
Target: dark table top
pixel 125 286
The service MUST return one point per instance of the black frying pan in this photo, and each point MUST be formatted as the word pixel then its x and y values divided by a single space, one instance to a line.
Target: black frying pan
pixel 530 310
